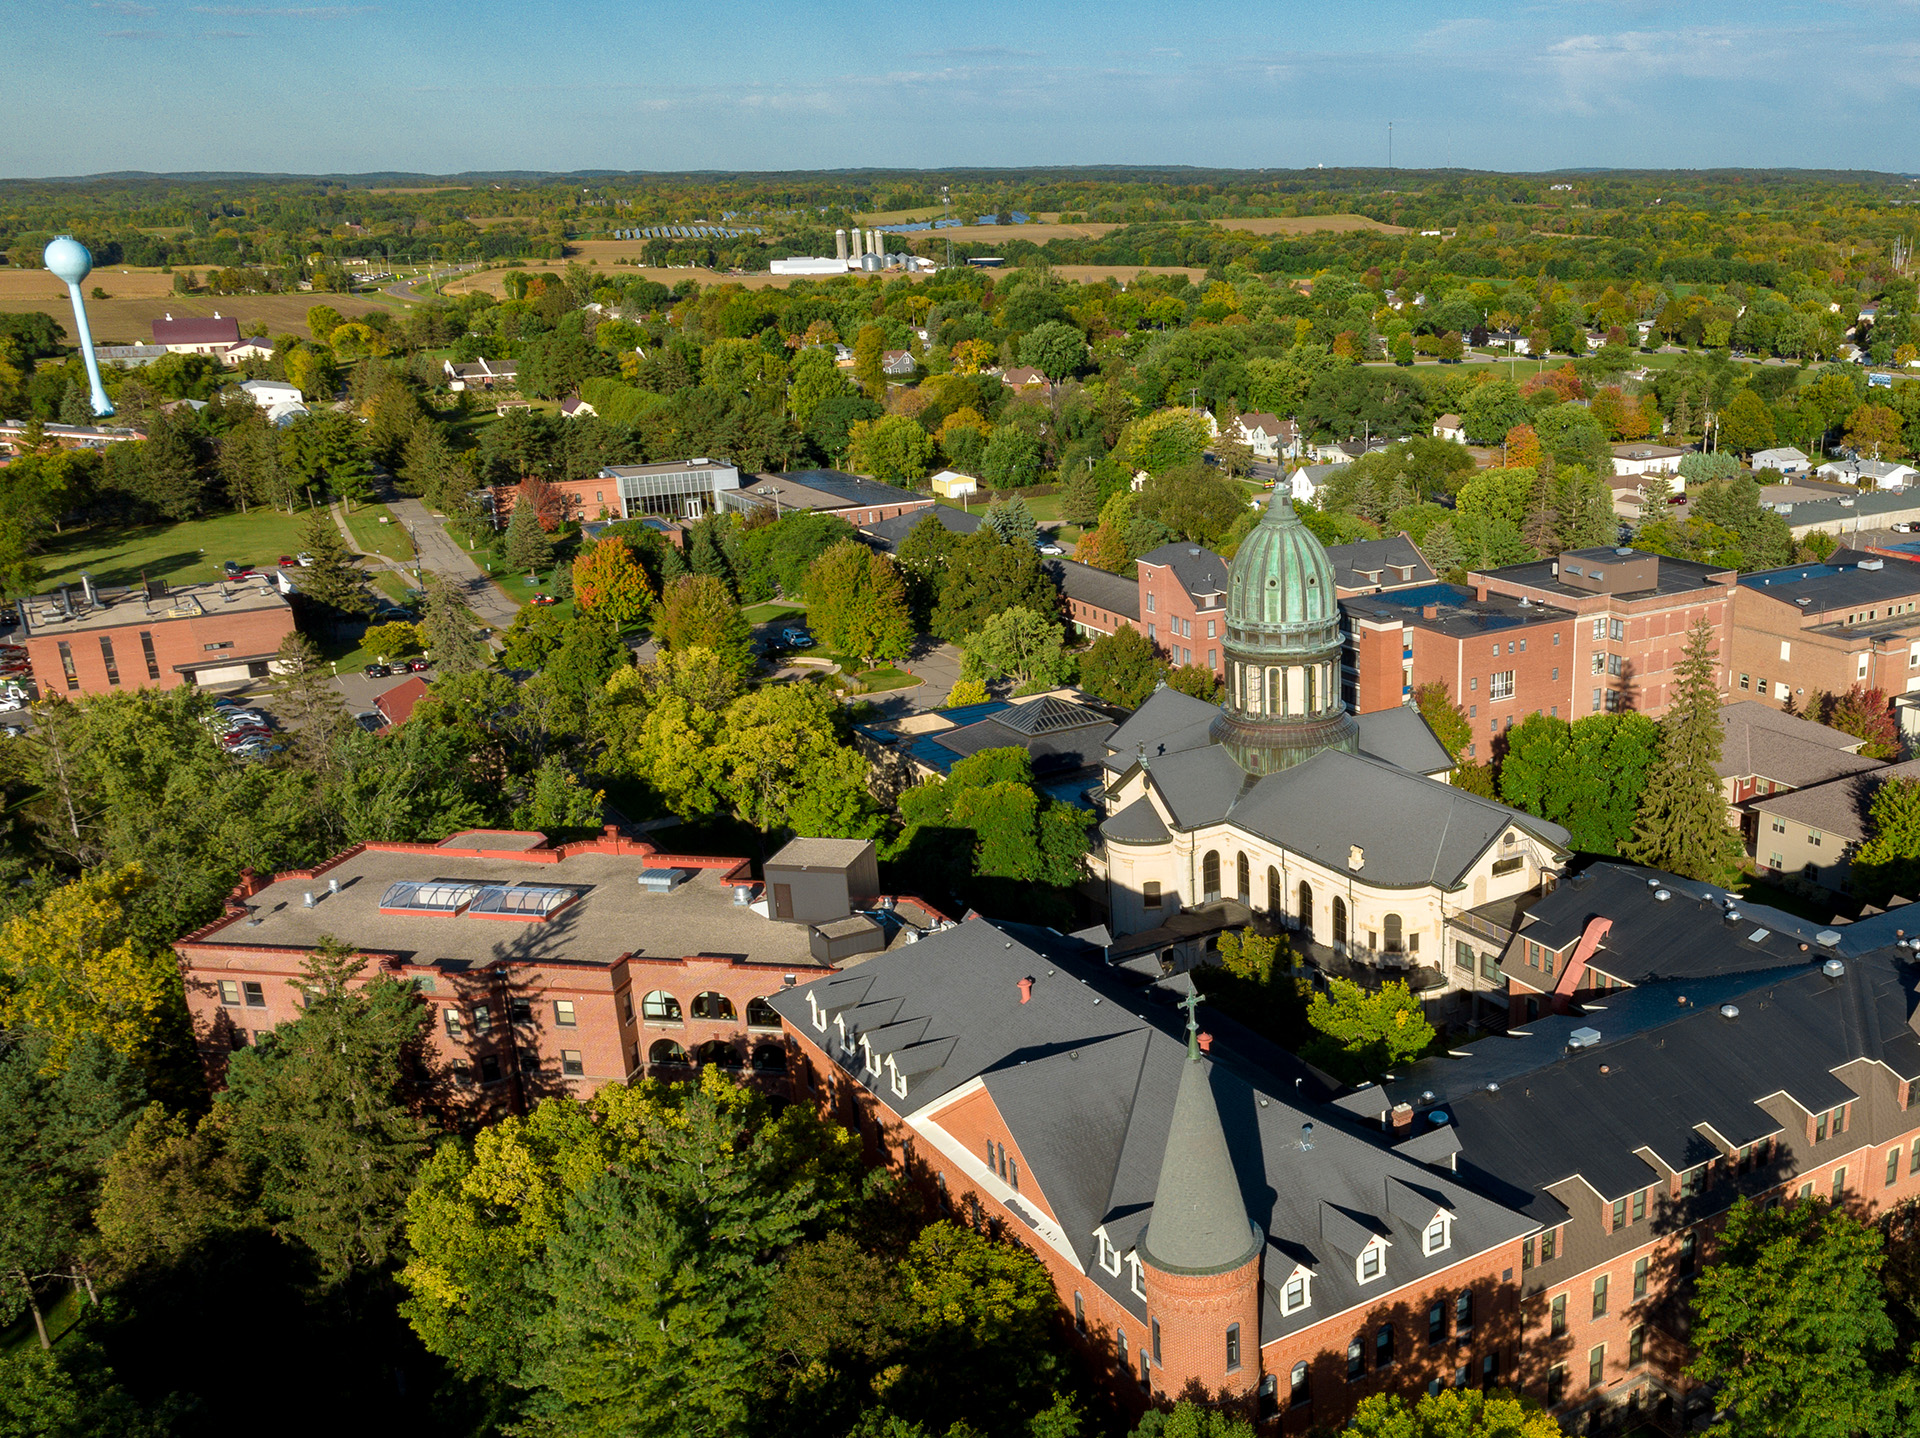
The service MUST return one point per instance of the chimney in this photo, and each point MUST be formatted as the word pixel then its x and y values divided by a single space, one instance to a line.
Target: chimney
pixel 86 588
pixel 1402 1116
pixel 1026 990
pixel 1206 1042
pixel 1429 611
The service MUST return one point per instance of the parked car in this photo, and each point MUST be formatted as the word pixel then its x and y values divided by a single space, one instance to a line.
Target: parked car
pixel 303 559
pixel 11 703
pixel 394 612
pixel 287 561
pixel 233 567
pixel 796 638
pixel 11 731
pixel 1051 548
pixel 543 599
pixel 371 720
pixel 9 617
pixel 419 666
pixel 377 671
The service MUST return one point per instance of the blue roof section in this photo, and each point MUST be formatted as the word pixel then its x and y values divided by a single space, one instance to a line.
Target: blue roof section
pixel 928 750
pixel 973 713
pixel 1419 596
pixel 1797 574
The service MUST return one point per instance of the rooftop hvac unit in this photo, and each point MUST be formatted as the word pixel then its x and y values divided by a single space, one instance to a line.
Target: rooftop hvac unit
pixel 662 881
pixel 1583 1038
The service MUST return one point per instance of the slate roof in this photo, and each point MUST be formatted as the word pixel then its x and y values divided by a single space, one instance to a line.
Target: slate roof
pixel 1400 737
pixel 1086 1076
pixel 889 534
pixel 1167 723
pixel 1095 586
pixel 1199 570
pixel 1760 741
pixel 1368 562
pixel 1138 823
pixel 1839 807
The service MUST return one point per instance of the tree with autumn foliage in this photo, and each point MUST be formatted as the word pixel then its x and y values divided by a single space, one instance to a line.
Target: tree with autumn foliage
pixel 1523 448
pixel 1103 547
pixel 1875 430
pixel 1864 713
pixel 609 581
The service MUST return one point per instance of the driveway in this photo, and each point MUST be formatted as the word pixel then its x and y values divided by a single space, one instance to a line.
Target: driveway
pixel 936 666
pixel 361 691
pixel 443 554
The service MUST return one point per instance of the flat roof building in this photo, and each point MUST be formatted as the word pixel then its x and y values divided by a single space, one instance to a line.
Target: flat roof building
pixel 86 639
pixel 858 500
pixel 1852 620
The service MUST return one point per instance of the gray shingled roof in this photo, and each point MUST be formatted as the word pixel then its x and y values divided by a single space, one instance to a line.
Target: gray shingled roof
pixel 1402 738
pixel 1086 1077
pixel 889 534
pixel 1839 807
pixel 1378 561
pixel 1138 823
pixel 1095 586
pixel 1198 569
pixel 1168 722
pixel 1199 1222
pixel 1760 741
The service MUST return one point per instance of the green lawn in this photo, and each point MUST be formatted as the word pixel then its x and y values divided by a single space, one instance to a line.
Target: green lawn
pixel 879 681
pixel 182 553
pixel 373 537
pixel 771 610
pixel 392 585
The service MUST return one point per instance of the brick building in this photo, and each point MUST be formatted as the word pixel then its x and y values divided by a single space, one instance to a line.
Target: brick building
pixel 1764 752
pixel 91 640
pixel 553 969
pixel 858 500
pixel 1500 658
pixel 1371 566
pixel 1183 603
pixel 1632 611
pixel 1095 601
pixel 1853 620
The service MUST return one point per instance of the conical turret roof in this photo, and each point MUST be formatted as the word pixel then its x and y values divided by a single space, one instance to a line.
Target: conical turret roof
pixel 1199 1222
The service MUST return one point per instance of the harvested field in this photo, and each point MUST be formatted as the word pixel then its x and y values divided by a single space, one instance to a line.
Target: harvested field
pixel 128 318
pixel 420 190
pixel 494 282
pixel 39 285
pixel 1038 234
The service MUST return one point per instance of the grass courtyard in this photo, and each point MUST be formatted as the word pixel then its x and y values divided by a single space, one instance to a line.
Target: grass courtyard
pixel 188 552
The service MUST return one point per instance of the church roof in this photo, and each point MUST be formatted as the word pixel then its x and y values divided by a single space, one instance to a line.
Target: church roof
pixel 1199 1222
pixel 1088 1075
pixel 1402 738
pixel 1281 594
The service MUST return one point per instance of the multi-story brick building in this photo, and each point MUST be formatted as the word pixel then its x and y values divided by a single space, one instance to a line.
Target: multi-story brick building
pixel 1852 620
pixel 1631 610
pixel 553 969
pixel 1183 604
pixel 1500 658
pixel 1095 601
pixel 1766 752
pixel 90 640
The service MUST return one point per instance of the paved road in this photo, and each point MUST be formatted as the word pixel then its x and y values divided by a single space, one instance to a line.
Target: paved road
pixel 404 289
pixel 442 554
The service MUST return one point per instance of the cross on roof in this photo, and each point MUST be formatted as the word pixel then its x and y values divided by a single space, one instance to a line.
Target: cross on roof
pixel 1190 1003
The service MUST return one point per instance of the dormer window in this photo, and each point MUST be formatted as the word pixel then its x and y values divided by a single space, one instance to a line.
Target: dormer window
pixel 819 1014
pixel 1136 1279
pixel 1439 1235
pixel 1109 1255
pixel 1372 1262
pixel 873 1062
pixel 899 1079
pixel 1298 1293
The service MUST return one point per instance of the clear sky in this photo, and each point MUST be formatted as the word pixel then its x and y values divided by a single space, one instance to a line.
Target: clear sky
pixel 440 86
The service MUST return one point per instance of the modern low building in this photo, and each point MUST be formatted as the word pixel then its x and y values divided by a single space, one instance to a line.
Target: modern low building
pixel 1811 833
pixel 1785 458
pixel 952 484
pixel 552 968
pixel 1847 516
pixel 90 640
pixel 889 534
pixel 481 374
pixel 16 434
pixel 671 489
pixel 1807 627
pixel 1632 610
pixel 859 501
pixel 1868 474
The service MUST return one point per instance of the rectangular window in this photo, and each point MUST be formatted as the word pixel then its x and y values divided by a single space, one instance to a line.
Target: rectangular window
pixel 146 651
pixel 1636 1346
pixel 1839 1183
pixel 1617 629
pixel 1596 700
pixel 66 666
pixel 1820 1129
pixel 1120 1346
pixel 1599 629
pixel 570 1064
pixel 1556 638
pixel 1233 1347
pixel 1689 1244
pixel 106 656
pixel 1463 1310
pixel 1596 1365
pixel 1557 1316
pixel 1600 1296
pixel 1639 1279
pixel 1500 686
pixel 1557 1375
pixel 1913 1158
pixel 1743 681
pixel 522 1010
pixel 1619 1213
pixel 1893 1166
pixel 1546 967
pixel 482 1019
pixel 1501 867
pixel 1156 1330
pixel 1526 1255
pixel 1463 955
pixel 1079 1311
pixel 563 1013
pixel 1548 1244
pixel 1150 894
pixel 1473 711
pixel 452 1017
pixel 1613 665
pixel 1211 634
pixel 256 996
pixel 1813 837
pixel 230 994
pixel 1489 967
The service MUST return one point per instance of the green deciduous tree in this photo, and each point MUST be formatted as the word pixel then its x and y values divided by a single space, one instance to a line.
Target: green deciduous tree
pixel 697 612
pixel 316 1113
pixel 1446 718
pixel 1054 348
pixel 1791 1323
pixel 1888 861
pixel 892 448
pixel 1588 775
pixel 1746 424
pixel 1121 668
pixel 985 575
pixel 1195 502
pixel 1682 823
pixel 857 603
pixel 1451 1413
pixel 1021 645
pixel 786 767
pixel 1361 1035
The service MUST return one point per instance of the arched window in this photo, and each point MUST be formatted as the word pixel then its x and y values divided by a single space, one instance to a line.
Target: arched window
pixel 1243 880
pixel 1339 919
pixel 661 1007
pixel 1297 1386
pixel 1210 877
pixel 713 1006
pixel 667 1052
pixel 770 1059
pixel 1274 906
pixel 760 1015
pixel 1383 1346
pixel 1306 909
pixel 718 1051
pixel 1396 939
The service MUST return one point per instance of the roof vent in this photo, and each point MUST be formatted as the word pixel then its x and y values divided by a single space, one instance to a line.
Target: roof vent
pixel 1827 938
pixel 1803 600
pixel 1493 1088
pixel 1653 883
pixel 1729 1011
pixel 1662 895
pixel 307 898
pixel 661 881
pixel 1583 1038
pixel 1623 551
pixel 1864 564
pixel 1834 969
pixel 1439 1115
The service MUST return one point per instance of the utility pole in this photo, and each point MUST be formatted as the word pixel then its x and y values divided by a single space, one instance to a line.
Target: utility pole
pixel 1389 147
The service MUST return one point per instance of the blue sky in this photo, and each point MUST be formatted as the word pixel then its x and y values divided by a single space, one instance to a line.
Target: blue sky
pixel 670 84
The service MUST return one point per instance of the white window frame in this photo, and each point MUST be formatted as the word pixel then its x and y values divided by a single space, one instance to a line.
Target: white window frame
pixel 1443 1221
pixel 819 1014
pixel 1109 1256
pixel 1302 1277
pixel 1500 686
pixel 1377 1249
pixel 1137 1278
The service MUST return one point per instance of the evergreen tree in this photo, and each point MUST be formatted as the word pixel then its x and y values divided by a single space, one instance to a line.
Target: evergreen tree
pixel 316 1113
pixel 305 696
pixel 333 579
pixel 1682 824
pixel 448 631
pixel 529 550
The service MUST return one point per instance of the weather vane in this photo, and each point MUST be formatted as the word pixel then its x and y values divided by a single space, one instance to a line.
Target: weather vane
pixel 67 258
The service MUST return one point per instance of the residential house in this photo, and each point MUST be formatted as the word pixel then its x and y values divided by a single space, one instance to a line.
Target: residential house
pixel 1764 751
pixel 1268 436
pixel 897 364
pixel 1303 484
pixel 1811 833
pixel 1027 380
pixel 1638 457
pixel 1784 458
pixel 1450 426
pixel 1868 474
pixel 576 408
pixel 481 374
pixel 247 349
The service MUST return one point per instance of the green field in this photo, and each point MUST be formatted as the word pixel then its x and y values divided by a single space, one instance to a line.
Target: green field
pixel 771 610
pixel 187 552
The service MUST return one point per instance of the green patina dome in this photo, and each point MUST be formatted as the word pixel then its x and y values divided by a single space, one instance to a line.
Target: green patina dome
pixel 1280 594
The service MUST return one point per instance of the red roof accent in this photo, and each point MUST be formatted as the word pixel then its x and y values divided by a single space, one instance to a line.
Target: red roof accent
pixel 397 703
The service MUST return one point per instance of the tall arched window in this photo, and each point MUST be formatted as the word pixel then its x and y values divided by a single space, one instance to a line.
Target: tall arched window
pixel 1396 938
pixel 1210 877
pixel 713 1006
pixel 1339 919
pixel 1306 908
pixel 1243 879
pixel 667 1052
pixel 761 1015
pixel 661 1007
pixel 1274 905
pixel 1297 1386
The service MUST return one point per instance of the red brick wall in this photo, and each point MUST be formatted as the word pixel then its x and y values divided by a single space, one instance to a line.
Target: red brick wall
pixel 1194 1312
pixel 1103 621
pixel 175 641
pixel 1374 653
pixel 1467 665
pixel 1176 626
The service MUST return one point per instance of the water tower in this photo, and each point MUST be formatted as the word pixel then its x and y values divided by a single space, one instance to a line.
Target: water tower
pixel 67 258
